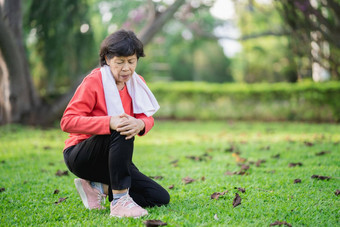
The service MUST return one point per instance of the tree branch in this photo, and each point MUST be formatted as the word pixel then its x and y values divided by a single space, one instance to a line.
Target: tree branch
pixel 151 29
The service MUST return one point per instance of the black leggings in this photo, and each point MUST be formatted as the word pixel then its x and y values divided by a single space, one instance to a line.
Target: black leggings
pixel 108 159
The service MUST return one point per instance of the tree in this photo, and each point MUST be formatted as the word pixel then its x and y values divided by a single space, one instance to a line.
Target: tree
pixel 315 33
pixel 18 96
pixel 19 102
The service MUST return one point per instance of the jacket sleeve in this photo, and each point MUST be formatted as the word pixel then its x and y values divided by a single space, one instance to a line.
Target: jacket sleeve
pixel 148 121
pixel 77 118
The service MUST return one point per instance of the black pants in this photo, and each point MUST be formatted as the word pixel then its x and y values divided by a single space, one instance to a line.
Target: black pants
pixel 108 159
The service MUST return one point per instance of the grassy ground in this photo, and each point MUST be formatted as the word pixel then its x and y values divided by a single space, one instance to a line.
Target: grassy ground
pixel 29 159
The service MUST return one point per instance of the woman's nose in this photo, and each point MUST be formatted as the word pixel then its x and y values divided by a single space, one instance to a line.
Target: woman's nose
pixel 125 67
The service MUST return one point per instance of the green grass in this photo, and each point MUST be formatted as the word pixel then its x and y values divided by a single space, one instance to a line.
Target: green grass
pixel 30 157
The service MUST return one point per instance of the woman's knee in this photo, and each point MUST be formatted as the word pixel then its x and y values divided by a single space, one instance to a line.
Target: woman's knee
pixel 163 198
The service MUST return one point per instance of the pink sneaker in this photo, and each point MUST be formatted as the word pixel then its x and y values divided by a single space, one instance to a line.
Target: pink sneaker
pixel 91 197
pixel 126 207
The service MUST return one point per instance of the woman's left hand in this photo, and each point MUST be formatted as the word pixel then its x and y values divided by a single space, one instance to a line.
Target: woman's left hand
pixel 130 126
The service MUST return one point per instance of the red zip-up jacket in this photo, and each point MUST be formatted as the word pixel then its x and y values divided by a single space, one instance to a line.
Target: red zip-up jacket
pixel 86 113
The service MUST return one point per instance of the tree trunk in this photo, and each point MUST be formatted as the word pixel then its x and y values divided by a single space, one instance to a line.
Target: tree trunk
pixel 19 99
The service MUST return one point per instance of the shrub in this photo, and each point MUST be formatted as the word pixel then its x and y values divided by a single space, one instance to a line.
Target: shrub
pixel 281 101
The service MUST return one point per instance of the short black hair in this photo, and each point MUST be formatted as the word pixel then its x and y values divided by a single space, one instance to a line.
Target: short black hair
pixel 120 43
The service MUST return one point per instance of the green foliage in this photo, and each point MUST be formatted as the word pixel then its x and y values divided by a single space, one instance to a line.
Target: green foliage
pixel 280 101
pixel 29 159
pixel 267 58
pixel 58 50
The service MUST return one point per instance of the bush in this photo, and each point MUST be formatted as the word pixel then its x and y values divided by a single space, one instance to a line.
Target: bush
pixel 280 101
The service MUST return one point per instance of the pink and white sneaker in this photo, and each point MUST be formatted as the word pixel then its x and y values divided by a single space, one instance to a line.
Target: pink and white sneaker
pixel 126 207
pixel 91 197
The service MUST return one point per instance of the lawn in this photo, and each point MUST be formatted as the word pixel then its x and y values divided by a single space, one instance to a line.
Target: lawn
pixel 264 159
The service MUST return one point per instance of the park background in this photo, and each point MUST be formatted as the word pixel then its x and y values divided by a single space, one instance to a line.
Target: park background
pixel 244 80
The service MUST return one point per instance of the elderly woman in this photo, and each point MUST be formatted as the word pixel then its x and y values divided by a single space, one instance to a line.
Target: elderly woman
pixel 111 106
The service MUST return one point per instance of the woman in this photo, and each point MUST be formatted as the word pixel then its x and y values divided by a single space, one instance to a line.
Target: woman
pixel 110 107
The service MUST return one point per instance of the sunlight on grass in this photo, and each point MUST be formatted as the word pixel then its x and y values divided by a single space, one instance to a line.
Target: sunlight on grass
pixel 204 151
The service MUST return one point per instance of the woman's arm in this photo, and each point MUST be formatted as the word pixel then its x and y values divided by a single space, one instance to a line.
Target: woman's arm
pixel 77 116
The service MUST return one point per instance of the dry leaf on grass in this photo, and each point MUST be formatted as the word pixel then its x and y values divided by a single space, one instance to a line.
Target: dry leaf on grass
pixel 280 223
pixel 2 189
pixel 216 195
pixel 259 162
pixel 238 158
pixel 243 190
pixel 237 200
pixel 56 191
pixel 151 223
pixel 319 177
pixel 60 173
pixel 277 156
pixel 297 181
pixel 337 192
pixel 295 164
pixel 322 153
pixel 171 186
pixel 188 180
pixel 60 200
pixel 308 144
pixel 203 157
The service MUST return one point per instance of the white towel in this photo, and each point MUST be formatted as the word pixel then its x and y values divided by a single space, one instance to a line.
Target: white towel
pixel 143 101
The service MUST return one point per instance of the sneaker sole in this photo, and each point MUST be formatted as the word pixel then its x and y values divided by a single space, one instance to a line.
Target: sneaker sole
pixel 81 192
pixel 116 216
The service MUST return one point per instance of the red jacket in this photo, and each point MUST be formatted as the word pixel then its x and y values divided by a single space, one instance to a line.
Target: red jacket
pixel 86 113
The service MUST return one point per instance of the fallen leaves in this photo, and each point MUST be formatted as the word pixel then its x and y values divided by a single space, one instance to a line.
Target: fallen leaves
pixel 243 190
pixel 56 191
pixel 239 158
pixel 60 173
pixel 277 156
pixel 171 186
pixel 259 162
pixel 188 180
pixel 322 153
pixel 237 200
pixel 154 222
pixel 216 195
pixel 203 157
pixel 295 164
pixel 337 192
pixel 174 163
pixel 2 189
pixel 296 181
pixel 308 144
pixel 280 223
pixel 319 177
pixel 60 200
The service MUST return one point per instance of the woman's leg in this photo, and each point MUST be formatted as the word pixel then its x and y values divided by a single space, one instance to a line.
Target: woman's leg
pixel 102 158
pixel 145 191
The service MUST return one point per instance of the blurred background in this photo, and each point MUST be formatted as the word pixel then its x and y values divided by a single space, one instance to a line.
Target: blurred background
pixel 205 59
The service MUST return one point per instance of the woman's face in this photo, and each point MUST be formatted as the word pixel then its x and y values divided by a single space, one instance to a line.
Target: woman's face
pixel 122 68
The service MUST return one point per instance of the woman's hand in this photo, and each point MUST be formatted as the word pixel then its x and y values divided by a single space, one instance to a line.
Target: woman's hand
pixel 115 121
pixel 129 126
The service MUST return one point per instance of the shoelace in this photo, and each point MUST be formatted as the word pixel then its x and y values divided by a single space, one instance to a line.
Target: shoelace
pixel 127 199
pixel 101 198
